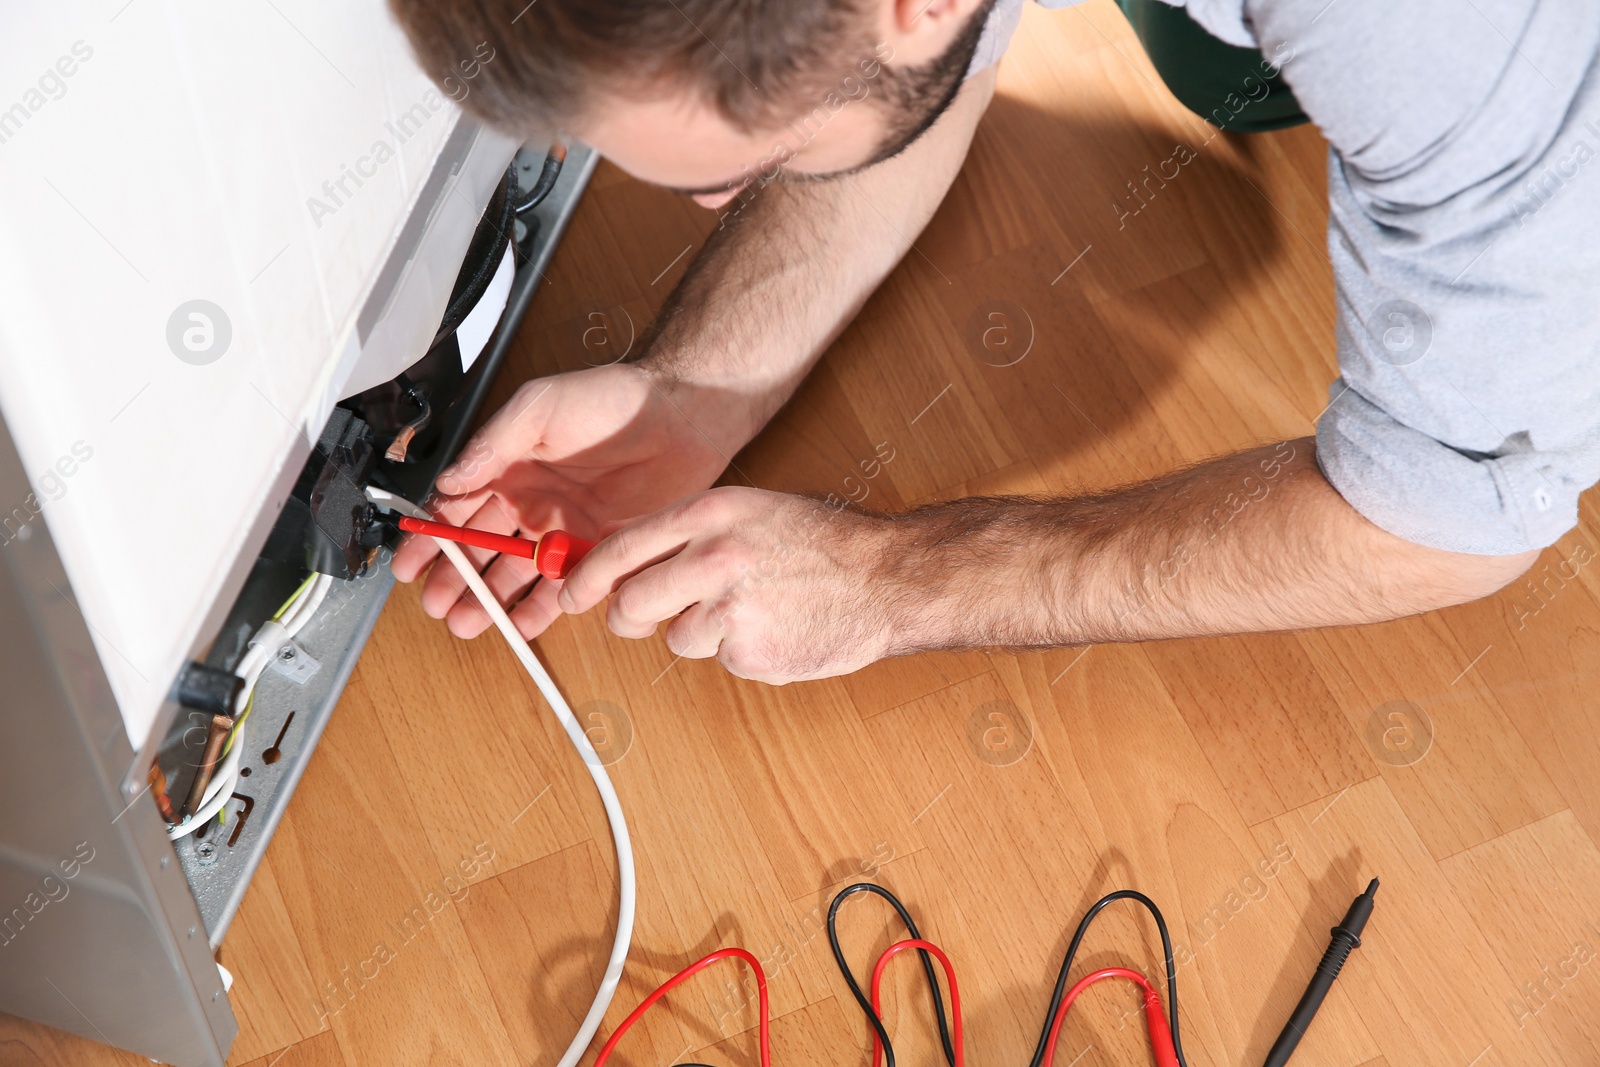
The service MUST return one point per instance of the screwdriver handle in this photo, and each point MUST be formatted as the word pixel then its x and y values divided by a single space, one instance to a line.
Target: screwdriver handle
pixel 559 552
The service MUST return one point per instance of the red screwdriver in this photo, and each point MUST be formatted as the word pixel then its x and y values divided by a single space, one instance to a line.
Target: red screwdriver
pixel 554 555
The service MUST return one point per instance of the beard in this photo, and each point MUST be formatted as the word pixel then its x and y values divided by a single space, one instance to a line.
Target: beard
pixel 915 98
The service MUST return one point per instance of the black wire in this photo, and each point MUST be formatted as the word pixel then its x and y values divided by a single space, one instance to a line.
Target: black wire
pixel 412 392
pixel 855 989
pixel 549 171
pixel 1072 951
pixel 933 980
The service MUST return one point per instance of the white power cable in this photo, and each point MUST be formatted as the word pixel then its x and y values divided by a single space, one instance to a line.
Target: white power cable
pixel 597 771
pixel 300 613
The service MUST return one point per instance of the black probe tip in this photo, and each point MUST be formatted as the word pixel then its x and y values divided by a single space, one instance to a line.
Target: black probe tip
pixel 1344 938
pixel 1355 920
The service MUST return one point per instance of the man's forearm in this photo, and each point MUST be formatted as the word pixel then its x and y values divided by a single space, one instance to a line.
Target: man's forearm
pixel 791 263
pixel 1252 542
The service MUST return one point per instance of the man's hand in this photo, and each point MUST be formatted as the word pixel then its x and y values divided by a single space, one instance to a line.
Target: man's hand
pixel 573 452
pixel 779 277
pixel 778 588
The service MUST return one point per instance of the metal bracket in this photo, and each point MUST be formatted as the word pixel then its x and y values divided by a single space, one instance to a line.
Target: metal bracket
pixel 295 663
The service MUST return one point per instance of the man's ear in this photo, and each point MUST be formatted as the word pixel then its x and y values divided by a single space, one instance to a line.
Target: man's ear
pixel 920 31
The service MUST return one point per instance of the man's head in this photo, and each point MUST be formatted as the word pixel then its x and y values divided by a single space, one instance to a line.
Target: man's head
pixel 706 96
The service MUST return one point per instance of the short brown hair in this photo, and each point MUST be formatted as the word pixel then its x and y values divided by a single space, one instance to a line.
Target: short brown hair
pixel 755 60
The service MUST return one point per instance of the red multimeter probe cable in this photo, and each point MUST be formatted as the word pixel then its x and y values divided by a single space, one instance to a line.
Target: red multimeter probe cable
pixel 1162 1026
pixel 554 554
pixel 1160 1036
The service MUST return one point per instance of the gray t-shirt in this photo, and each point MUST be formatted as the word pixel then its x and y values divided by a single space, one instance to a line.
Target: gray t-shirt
pixel 1464 231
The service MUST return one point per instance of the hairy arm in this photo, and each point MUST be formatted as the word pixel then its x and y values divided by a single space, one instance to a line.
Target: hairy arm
pixel 1250 542
pixel 786 270
pixel 781 588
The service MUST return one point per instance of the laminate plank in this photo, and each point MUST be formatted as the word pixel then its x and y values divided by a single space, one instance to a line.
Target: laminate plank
pixel 30 1044
pixel 817 1033
pixel 583 276
pixel 322 1050
pixel 265 957
pixel 393 974
pixel 1534 892
pixel 677 792
pixel 1425 983
pixel 1268 725
pixel 447 704
pixel 540 933
pixel 1539 664
pixel 1468 775
pixel 980 779
pixel 821 445
pixel 817 794
pixel 1173 832
pixel 656 233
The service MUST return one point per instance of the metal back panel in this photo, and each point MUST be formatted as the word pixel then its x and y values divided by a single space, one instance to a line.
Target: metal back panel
pixel 99 934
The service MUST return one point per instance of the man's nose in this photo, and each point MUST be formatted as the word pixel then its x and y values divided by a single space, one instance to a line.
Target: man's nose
pixel 716 200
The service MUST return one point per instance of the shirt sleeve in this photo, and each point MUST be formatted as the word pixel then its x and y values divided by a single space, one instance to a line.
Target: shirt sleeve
pixel 1464 235
pixel 1000 27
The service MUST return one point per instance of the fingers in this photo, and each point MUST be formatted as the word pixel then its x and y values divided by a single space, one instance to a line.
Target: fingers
pixel 639 545
pixel 445 584
pixel 699 632
pixel 538 609
pixel 513 431
pixel 657 594
pixel 412 557
pixel 595 581
pixel 508 577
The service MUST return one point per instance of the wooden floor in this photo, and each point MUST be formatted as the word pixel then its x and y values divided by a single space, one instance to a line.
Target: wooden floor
pixel 1251 786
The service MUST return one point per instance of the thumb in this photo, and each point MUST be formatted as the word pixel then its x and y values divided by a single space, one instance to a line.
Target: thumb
pixel 513 432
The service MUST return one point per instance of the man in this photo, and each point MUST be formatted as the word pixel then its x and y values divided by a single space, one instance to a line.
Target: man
pixel 1465 202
